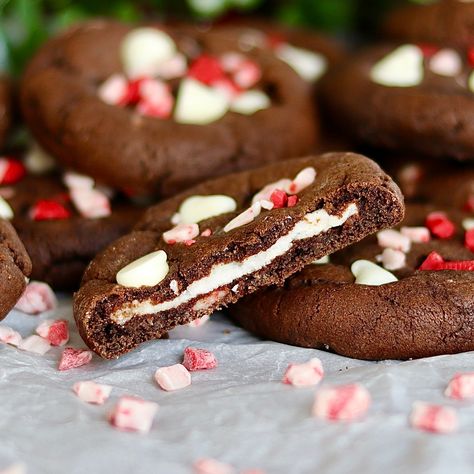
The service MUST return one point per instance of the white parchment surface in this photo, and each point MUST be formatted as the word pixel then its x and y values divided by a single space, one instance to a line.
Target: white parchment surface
pixel 239 413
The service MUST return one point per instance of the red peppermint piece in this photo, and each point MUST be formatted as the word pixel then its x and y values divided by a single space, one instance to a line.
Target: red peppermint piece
pixel 469 204
pixel 206 69
pixel 132 95
pixel 279 198
pixel 292 200
pixel 198 359
pixel 469 239
pixel 56 332
pixel 435 262
pixel 428 50
pixel 247 74
pixel 440 225
pixel 11 171
pixel 47 209
pixel 72 358
pixel 470 56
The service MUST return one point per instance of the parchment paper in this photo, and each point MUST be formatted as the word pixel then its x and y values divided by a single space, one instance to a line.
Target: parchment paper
pixel 239 413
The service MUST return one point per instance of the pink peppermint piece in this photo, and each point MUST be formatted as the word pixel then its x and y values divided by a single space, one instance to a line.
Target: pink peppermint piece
pixel 304 375
pixel 91 203
pixel 114 90
pixel 91 392
pixel 267 205
pixel 156 99
pixel 172 68
pixel 77 181
pixel 198 322
pixel 247 74
pixel 181 233
pixel 245 217
pixel 342 403
pixel 433 418
pixel 35 344
pixel 392 259
pixel 38 297
pixel 461 386
pixel 54 331
pixel 302 180
pixel 232 61
pixel 228 88
pixel 174 377
pixel 133 414
pixel 72 358
pixel 417 235
pixel 9 336
pixel 266 192
pixel 446 62
pixel 206 233
pixel 211 466
pixel 393 239
pixel 198 359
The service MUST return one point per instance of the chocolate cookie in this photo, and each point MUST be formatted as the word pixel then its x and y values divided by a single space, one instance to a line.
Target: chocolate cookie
pixel 140 108
pixel 5 108
pixel 62 227
pixel 447 22
pixel 15 267
pixel 406 98
pixel 232 235
pixel 361 310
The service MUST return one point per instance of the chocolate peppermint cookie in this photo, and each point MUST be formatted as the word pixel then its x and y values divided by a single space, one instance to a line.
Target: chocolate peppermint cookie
pixel 5 108
pixel 63 220
pixel 224 239
pixel 406 98
pixel 401 294
pixel 15 265
pixel 143 108
pixel 447 22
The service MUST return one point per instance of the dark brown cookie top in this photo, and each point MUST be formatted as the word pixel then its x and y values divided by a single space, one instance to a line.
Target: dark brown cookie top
pixel 406 98
pixel 124 148
pixel 63 227
pixel 446 22
pixel 334 306
pixel 15 267
pixel 5 108
pixel 233 235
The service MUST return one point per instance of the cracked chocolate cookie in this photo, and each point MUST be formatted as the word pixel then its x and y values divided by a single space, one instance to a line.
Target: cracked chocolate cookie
pixel 142 108
pixel 404 293
pixel 63 220
pixel 408 98
pixel 221 240
pixel 15 266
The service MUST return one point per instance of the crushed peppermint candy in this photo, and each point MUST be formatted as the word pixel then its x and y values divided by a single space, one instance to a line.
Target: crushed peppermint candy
pixel 54 331
pixel 440 225
pixel 416 234
pixel 435 262
pixel 196 323
pixel 244 217
pixel 393 239
pixel 11 170
pixel 392 259
pixel 198 359
pixel 91 203
pixel 133 414
pixel 461 386
pixel 211 466
pixel 38 297
pixel 181 233
pixel 469 239
pixel 9 336
pixel 92 392
pixel 304 375
pixel 174 377
pixel 72 358
pixel 49 209
pixel 433 418
pixel 34 344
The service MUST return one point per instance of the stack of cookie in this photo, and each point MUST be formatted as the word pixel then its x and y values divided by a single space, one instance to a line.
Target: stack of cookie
pixel 409 102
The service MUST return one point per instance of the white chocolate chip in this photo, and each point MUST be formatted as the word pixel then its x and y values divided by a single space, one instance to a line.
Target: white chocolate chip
pixel 148 270
pixel 321 261
pixel 368 273
pixel 403 67
pixel 250 102
pixel 446 62
pixel 37 161
pixel 308 64
pixel 468 223
pixel 144 50
pixel 198 208
pixel 6 212
pixel 199 104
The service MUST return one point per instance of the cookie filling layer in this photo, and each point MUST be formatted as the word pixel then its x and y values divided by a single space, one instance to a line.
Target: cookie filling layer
pixel 311 225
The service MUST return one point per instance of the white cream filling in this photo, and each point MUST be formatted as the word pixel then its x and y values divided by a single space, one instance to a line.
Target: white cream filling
pixel 311 225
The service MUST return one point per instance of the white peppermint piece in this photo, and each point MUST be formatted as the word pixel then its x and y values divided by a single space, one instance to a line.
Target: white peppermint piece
pixel 199 104
pixel 92 392
pixel 6 212
pixel 181 233
pixel 144 50
pixel 250 102
pixel 308 64
pixel 368 273
pixel 195 209
pixel 37 161
pixel 446 62
pixel 302 180
pixel 245 217
pixel 266 191
pixel 173 68
pixel 78 181
pixel 148 270
pixel 9 336
pixel 392 259
pixel 468 223
pixel 35 344
pixel 393 239
pixel 403 67
pixel 91 203
pixel 113 89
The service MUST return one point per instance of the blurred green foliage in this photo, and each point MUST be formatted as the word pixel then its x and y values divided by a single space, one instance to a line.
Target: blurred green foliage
pixel 25 24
